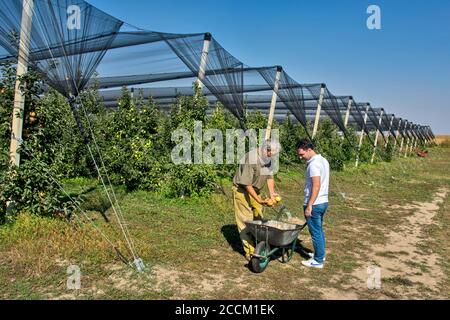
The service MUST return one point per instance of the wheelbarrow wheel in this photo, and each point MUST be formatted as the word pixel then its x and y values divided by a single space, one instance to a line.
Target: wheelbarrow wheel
pixel 258 265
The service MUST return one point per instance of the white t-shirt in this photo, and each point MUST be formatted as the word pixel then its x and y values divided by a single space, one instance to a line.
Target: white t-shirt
pixel 318 166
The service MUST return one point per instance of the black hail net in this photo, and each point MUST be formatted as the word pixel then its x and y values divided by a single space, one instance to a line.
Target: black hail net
pixel 289 92
pixel 358 112
pixel 163 65
pixel 227 83
pixel 59 53
pixel 375 120
pixel 388 124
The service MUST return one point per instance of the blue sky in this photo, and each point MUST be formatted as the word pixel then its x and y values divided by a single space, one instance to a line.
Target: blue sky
pixel 405 67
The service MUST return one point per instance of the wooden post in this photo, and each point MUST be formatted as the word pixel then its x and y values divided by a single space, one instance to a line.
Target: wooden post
pixel 366 114
pixel 389 132
pixel 318 111
pixel 377 134
pixel 204 59
pixel 22 69
pixel 273 104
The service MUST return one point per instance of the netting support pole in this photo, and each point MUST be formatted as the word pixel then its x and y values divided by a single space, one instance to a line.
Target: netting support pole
pixel 347 114
pixel 433 136
pixel 273 104
pixel 377 135
pixel 411 142
pixel 427 134
pixel 408 139
pixel 403 136
pixel 397 132
pixel 318 111
pixel 420 140
pixel 366 115
pixel 419 136
pixel 204 59
pixel 414 143
pixel 424 136
pixel 389 132
pixel 22 69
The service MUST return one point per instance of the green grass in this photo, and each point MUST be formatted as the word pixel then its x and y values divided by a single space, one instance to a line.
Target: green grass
pixel 195 242
pixel 399 281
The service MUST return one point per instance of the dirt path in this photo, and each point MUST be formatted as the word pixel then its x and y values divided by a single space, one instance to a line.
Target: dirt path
pixel 408 269
pixel 405 270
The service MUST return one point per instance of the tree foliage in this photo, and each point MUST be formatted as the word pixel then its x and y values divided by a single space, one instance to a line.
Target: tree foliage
pixel 135 143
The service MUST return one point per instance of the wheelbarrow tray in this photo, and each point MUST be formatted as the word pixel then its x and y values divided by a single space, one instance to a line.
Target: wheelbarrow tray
pixel 279 234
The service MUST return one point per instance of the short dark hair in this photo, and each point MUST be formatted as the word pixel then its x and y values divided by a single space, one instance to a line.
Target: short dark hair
pixel 305 144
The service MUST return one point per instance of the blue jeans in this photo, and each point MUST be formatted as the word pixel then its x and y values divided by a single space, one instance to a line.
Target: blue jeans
pixel 315 226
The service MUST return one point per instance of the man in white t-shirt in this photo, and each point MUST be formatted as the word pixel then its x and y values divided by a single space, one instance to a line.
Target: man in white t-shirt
pixel 316 199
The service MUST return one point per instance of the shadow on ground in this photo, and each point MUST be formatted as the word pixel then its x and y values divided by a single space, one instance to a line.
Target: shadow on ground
pixel 231 234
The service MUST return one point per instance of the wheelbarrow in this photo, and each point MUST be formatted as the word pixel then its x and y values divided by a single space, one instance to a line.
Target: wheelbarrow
pixel 272 238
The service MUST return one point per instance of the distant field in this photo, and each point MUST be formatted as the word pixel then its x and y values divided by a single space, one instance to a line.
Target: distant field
pixel 443 138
